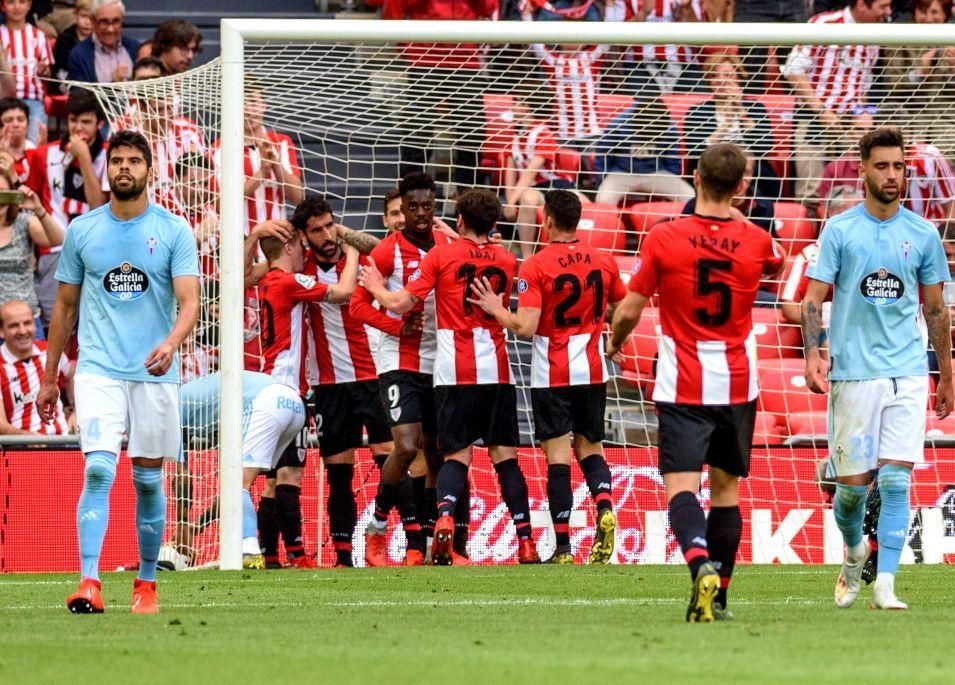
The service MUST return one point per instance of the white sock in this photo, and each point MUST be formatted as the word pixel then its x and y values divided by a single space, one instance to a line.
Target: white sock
pixel 858 552
pixel 251 546
pixel 886 578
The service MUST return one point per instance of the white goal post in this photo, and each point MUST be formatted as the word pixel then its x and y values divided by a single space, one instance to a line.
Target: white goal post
pixel 236 34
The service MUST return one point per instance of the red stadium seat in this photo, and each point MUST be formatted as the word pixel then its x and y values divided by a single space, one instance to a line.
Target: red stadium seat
pixel 643 216
pixel 806 423
pixel 936 428
pixel 600 226
pixel 783 389
pixel 568 159
pixel 609 106
pixel 55 106
pixel 640 349
pixel 767 431
pixel 775 338
pixel 793 226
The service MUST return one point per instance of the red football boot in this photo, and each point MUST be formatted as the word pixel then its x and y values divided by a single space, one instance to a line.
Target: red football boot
pixel 460 559
pixel 527 552
pixel 442 547
pixel 376 546
pixel 145 599
pixel 414 557
pixel 303 561
pixel 87 599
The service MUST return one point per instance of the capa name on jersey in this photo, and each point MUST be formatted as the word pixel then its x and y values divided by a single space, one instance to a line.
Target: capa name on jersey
pixel 882 287
pixel 126 282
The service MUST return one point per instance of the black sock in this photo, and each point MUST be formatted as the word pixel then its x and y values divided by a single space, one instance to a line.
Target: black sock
pixel 342 512
pixel 452 480
pixel 385 500
pixel 380 460
pixel 462 520
pixel 417 490
pixel 689 526
pixel 514 493
pixel 723 530
pixel 560 499
pixel 430 513
pixel 597 474
pixel 289 505
pixel 409 515
pixel 268 523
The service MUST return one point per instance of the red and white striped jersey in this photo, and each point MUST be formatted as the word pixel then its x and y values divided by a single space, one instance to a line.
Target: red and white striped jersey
pixel 576 80
pixel 397 258
pixel 794 289
pixel 21 165
pixel 931 183
pixel 472 346
pixel 48 179
pixel 538 139
pixel 252 331
pixel 840 75
pixel 282 299
pixel 707 272
pixel 268 199
pixel 340 347
pixel 571 284
pixel 26 48
pixel 19 386
pixel 667 11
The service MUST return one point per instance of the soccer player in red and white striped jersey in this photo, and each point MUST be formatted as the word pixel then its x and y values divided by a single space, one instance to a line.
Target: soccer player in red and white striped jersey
pixel 22 364
pixel 29 57
pixel 284 292
pixel 346 401
pixel 563 294
pixel 706 269
pixel 474 388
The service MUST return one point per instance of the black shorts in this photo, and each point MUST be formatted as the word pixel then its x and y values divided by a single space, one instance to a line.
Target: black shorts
pixel 577 409
pixel 294 454
pixel 468 413
pixel 343 411
pixel 718 435
pixel 408 397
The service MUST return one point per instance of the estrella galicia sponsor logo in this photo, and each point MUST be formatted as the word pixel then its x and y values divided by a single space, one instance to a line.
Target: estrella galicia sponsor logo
pixel 126 282
pixel 882 287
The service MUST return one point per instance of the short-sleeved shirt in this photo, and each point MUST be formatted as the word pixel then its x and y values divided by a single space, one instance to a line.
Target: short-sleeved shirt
pixel 471 345
pixel 876 268
pixel 199 401
pixel 707 271
pixel 282 299
pixel 127 302
pixel 571 284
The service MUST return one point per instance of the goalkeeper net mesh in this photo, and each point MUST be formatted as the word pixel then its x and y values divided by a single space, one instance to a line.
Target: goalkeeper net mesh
pixel 620 124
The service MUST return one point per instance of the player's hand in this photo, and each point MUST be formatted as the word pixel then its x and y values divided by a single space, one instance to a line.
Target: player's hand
pixel 612 351
pixel 349 250
pixel 944 398
pixel 495 237
pixel 369 277
pixel 80 149
pixel 816 375
pixel 160 359
pixel 276 228
pixel 483 295
pixel 46 401
pixel 71 424
pixel 412 323
pixel 444 229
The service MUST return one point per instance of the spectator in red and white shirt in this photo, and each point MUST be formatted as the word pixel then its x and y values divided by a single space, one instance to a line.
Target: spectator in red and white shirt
pixel 574 72
pixel 28 55
pixel 68 176
pixel 830 80
pixel 15 148
pixel 23 360
pixel 530 169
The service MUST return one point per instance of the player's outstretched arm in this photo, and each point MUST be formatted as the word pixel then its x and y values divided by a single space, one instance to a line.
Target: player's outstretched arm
pixel 341 292
pixel 277 228
pixel 361 241
pixel 61 326
pixel 522 323
pixel 186 289
pixel 817 366
pixel 626 316
pixel 939 322
pixel 371 280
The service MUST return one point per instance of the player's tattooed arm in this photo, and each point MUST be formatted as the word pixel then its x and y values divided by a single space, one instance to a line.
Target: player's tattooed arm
pixel 341 292
pixel 361 241
pixel 817 366
pixel 939 322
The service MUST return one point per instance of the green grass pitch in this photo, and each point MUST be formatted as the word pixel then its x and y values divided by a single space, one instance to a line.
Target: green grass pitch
pixel 493 625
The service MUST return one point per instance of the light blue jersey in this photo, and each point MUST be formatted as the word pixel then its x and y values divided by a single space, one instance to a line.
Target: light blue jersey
pixel 127 302
pixel 199 401
pixel 876 268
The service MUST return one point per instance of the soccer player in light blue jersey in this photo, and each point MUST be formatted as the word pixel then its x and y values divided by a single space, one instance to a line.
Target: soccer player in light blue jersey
pixel 272 415
pixel 879 257
pixel 124 270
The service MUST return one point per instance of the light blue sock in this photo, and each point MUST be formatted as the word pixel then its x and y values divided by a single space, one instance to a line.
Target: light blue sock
pixel 249 520
pixel 92 511
pixel 894 484
pixel 150 518
pixel 849 507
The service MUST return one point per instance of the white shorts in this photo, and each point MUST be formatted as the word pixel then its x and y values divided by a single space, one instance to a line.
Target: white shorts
pixel 276 416
pixel 148 413
pixel 874 420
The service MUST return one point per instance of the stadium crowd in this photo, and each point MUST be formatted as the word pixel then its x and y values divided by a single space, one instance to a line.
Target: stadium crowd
pixel 299 327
